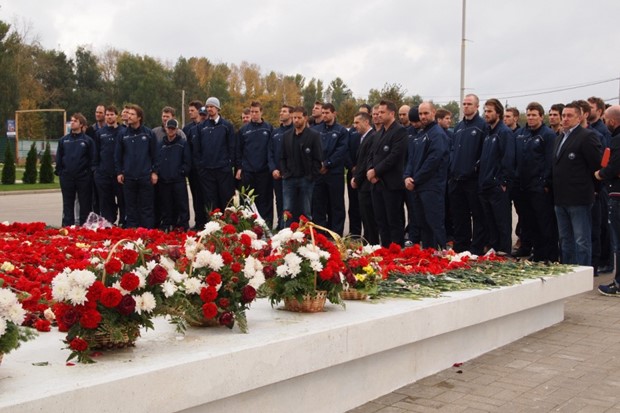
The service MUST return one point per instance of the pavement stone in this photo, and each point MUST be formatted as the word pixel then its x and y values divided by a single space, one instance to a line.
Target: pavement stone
pixel 573 366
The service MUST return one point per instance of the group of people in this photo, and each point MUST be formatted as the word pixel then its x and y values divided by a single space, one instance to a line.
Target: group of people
pixel 400 166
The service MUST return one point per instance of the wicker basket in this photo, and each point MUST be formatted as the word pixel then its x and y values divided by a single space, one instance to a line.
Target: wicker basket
pixel 104 341
pixel 353 294
pixel 202 322
pixel 309 304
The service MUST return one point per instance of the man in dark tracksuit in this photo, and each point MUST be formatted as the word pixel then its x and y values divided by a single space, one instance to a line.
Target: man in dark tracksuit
pixel 191 132
pixel 533 191
pixel 252 161
pixel 386 165
pixel 174 162
pixel 610 174
pixel 110 192
pixel 363 125
pixel 214 152
pixel 496 171
pixel 135 161
pixel 275 153
pixel 467 215
pixel 76 159
pixel 426 174
pixel 328 197
pixel 355 219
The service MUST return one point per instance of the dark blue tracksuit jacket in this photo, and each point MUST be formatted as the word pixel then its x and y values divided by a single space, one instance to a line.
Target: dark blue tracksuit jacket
pixel 427 161
pixel 106 139
pixel 175 160
pixel 136 153
pixel 534 158
pixel 76 155
pixel 214 146
pixel 335 141
pixel 466 148
pixel 497 158
pixel 253 144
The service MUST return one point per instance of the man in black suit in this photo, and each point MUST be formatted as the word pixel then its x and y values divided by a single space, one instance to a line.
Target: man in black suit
pixel 386 164
pixel 577 155
pixel 362 124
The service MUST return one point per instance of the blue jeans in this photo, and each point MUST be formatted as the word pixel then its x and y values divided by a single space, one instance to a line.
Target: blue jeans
pixel 297 192
pixel 575 229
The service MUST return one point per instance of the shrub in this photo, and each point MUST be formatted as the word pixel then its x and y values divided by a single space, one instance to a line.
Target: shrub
pixel 30 173
pixel 46 174
pixel 8 170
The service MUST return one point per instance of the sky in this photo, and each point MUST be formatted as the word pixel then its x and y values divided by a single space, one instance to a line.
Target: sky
pixel 548 50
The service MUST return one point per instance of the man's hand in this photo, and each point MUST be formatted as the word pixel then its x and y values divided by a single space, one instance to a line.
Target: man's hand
pixel 353 183
pixel 276 174
pixel 409 183
pixel 238 175
pixel 154 178
pixel 120 179
pixel 370 175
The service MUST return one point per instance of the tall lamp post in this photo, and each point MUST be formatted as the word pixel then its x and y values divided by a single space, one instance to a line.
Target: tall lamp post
pixel 462 61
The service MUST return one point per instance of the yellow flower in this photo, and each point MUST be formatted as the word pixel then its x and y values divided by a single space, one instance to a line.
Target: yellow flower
pixel 368 269
pixel 82 245
pixel 360 277
pixel 7 266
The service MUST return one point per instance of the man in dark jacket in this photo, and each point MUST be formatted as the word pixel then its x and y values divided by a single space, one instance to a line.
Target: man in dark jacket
pixel 135 161
pixel 610 174
pixel 252 160
pixel 386 164
pixel 361 185
pixel 534 158
pixel 496 171
pixel 110 192
pixel 174 165
pixel 76 159
pixel 467 215
pixel 577 155
pixel 191 132
pixel 214 153
pixel 300 164
pixel 275 153
pixel 426 175
pixel 328 197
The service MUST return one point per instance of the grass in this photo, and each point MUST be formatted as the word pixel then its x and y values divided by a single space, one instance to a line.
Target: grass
pixel 28 187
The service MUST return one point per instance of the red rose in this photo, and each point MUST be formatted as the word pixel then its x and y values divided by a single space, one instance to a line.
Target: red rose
pixel 111 297
pixel 258 231
pixel 208 294
pixel 113 266
pixel 70 317
pixel 234 218
pixel 294 226
pixel 90 319
pixel 174 253
pixel 248 294
pixel 235 267
pixel 209 310
pixel 215 211
pixel 227 319
pixel 223 302
pixel 269 272
pixel 246 240
pixel 78 344
pixel 158 275
pixel 228 229
pixel 128 256
pixel 227 257
pixel 214 279
pixel 129 281
pixel 127 305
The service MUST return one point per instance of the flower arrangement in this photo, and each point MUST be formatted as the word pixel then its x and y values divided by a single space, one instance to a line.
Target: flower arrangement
pixel 105 304
pixel 223 270
pixel 12 316
pixel 303 263
pixel 363 272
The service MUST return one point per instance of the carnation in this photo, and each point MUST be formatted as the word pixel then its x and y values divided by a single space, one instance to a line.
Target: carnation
pixel 192 285
pixel 210 227
pixel 145 302
pixel 209 259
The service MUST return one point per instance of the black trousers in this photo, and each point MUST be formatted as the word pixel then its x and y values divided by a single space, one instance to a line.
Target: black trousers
pixel 538 224
pixel 498 213
pixel 198 203
pixel 277 189
pixel 139 202
pixel 371 232
pixel 70 187
pixel 328 202
pixel 111 198
pixel 388 205
pixel 175 205
pixel 262 183
pixel 218 187
pixel 467 216
pixel 355 218
pixel 429 216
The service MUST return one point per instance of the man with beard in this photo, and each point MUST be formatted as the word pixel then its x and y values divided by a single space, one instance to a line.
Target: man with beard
pixel 425 175
pixel 275 153
pixel 496 170
pixel 555 118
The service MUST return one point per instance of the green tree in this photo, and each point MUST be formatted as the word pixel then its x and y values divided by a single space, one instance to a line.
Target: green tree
pixel 30 173
pixel 453 107
pixel 9 101
pixel 338 91
pixel 89 90
pixel 46 173
pixel 184 78
pixel 390 91
pixel 8 170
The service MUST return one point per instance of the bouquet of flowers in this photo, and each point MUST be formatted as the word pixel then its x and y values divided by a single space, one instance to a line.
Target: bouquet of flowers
pixel 105 304
pixel 362 274
pixel 303 265
pixel 12 316
pixel 224 269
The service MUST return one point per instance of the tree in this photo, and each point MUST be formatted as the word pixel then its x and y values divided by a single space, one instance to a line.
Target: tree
pixel 9 43
pixel 390 91
pixel 89 90
pixel 454 108
pixel 338 91
pixel 30 173
pixel 8 170
pixel 184 78
pixel 46 173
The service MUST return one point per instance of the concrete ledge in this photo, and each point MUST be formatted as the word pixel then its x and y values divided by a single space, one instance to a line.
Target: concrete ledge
pixel 327 362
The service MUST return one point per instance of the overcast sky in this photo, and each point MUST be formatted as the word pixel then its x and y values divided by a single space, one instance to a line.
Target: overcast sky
pixel 516 47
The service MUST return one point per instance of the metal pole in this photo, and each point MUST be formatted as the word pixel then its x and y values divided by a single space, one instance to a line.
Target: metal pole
pixel 462 61
pixel 182 107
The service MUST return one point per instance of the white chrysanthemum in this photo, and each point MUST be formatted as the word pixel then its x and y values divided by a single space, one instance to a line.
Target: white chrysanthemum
pixel 210 228
pixel 316 265
pixel 250 234
pixel 142 273
pixel 209 259
pixel 298 236
pixel 10 308
pixel 293 261
pixel 192 285
pixel 76 295
pixel 83 278
pixel 252 267
pixel 107 243
pixel 7 266
pixel 191 247
pixel 148 302
pixel 312 252
pixel 176 276
pixel 283 236
pixel 282 270
pixel 261 222
pixel 139 243
pixel 169 288
pixel 369 249
pixel 94 260
pixel 167 263
pixel 258 244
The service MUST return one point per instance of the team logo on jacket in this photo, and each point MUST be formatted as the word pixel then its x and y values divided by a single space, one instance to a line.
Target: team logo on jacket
pixel 474 133
pixel 386 148
pixel 307 150
pixel 82 144
pixel 571 156
pixel 334 135
pixel 143 137
pixel 265 133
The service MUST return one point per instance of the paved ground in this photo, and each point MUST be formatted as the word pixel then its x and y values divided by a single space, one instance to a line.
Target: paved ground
pixel 569 367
